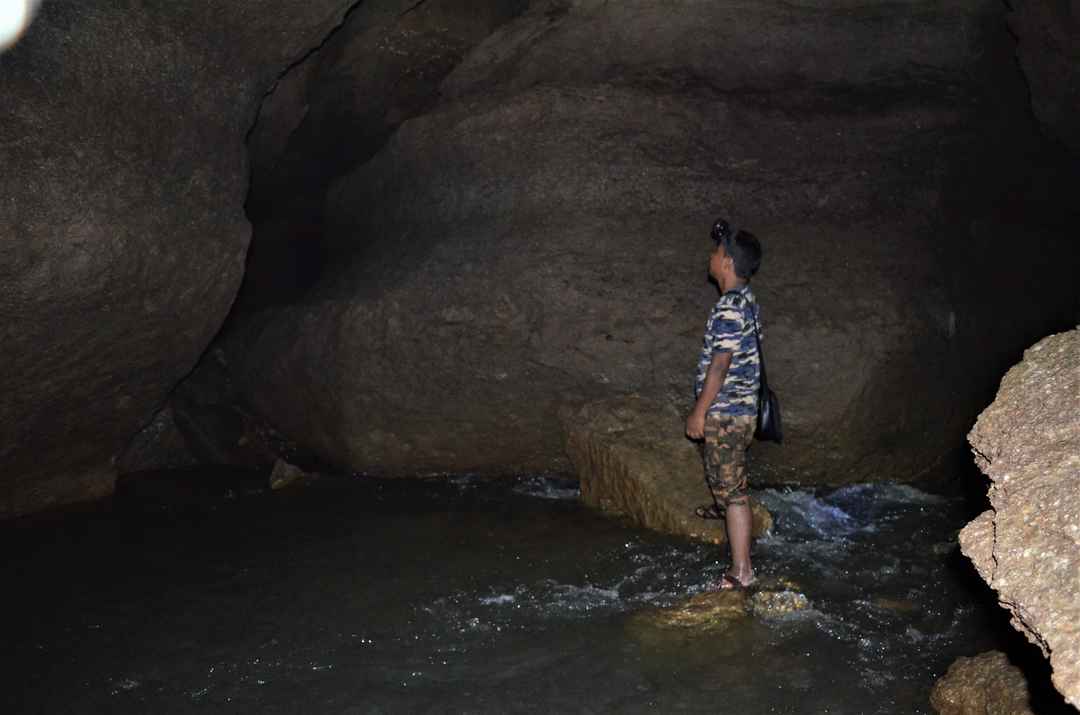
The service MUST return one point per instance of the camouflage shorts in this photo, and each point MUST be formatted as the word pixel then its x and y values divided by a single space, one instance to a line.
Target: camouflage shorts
pixel 724 452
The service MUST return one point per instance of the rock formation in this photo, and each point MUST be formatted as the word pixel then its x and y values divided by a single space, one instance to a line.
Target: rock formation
pixel 1027 546
pixel 334 111
pixel 704 613
pixel 537 238
pixel 632 459
pixel 986 684
pixel 459 236
pixel 123 241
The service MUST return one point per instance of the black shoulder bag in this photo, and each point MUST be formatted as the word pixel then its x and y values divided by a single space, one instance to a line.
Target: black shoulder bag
pixel 768 415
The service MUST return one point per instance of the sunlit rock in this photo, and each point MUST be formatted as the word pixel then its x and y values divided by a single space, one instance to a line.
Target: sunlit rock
pixel 985 684
pixel 632 458
pixel 1027 546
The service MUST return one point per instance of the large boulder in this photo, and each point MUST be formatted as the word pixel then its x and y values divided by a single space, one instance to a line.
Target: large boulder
pixel 538 239
pixel 633 460
pixel 985 684
pixel 123 233
pixel 1027 546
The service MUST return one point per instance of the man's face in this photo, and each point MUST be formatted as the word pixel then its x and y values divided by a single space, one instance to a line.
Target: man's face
pixel 718 260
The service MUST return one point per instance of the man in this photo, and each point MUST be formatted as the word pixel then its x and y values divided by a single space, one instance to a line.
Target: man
pixel 726 390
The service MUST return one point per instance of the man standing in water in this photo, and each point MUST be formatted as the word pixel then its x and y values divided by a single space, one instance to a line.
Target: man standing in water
pixel 726 388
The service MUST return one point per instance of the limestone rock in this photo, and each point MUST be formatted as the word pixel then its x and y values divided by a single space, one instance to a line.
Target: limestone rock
pixel 538 238
pixel 703 612
pixel 159 445
pixel 717 609
pixel 1027 547
pixel 284 474
pixel 986 684
pixel 777 604
pixel 122 229
pixel 632 458
pixel 203 423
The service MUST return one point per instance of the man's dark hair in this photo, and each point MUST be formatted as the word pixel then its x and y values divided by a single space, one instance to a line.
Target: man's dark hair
pixel 743 247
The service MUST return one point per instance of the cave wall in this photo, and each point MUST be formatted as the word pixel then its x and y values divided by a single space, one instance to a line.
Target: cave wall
pixel 534 233
pixel 537 237
pixel 333 112
pixel 123 235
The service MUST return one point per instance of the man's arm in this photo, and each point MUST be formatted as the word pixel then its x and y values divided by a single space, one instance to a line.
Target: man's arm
pixel 714 380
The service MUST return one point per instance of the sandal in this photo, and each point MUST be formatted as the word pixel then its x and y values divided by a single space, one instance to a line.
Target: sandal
pixel 730 583
pixel 708 511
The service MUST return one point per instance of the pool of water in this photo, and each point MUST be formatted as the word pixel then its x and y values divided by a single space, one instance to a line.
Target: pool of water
pixel 353 595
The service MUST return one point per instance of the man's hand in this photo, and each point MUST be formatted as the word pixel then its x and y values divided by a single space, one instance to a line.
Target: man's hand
pixel 695 425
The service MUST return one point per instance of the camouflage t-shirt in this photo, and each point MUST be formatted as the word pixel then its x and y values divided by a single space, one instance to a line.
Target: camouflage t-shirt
pixel 731 329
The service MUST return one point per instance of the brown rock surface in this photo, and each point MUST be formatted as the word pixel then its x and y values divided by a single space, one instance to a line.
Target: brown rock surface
pixel 714 610
pixel 986 684
pixel 633 459
pixel 1027 547
pixel 122 232
pixel 537 238
pixel 334 110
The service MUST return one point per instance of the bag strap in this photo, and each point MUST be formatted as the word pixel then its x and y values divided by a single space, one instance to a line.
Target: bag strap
pixel 738 294
pixel 761 355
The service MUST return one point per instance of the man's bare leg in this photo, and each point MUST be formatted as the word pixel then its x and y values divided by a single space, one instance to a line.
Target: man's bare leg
pixel 739 523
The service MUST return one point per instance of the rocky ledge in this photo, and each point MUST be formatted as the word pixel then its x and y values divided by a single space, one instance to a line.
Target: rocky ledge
pixel 632 459
pixel 1027 546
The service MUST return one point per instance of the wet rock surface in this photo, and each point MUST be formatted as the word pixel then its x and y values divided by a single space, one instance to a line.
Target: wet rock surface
pixel 716 609
pixel 986 684
pixel 632 459
pixel 1027 546
pixel 537 238
pixel 124 235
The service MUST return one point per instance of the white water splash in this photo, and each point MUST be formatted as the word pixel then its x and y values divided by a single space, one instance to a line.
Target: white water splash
pixel 545 487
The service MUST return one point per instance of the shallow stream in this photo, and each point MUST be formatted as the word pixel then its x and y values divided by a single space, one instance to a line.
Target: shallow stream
pixel 471 596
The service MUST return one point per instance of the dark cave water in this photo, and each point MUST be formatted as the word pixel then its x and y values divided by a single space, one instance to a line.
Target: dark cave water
pixel 462 595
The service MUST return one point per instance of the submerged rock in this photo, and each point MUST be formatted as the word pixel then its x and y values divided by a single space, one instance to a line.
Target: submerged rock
pixel 632 458
pixel 985 684
pixel 776 604
pixel 703 612
pixel 717 609
pixel 1027 546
